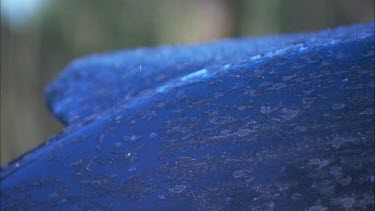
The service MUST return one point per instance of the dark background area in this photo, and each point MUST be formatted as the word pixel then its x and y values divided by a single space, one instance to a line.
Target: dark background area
pixel 40 37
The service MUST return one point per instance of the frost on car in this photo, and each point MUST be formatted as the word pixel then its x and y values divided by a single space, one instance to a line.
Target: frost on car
pixel 277 122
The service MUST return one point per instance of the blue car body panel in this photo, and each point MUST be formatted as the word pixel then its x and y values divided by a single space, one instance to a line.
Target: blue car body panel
pixel 280 122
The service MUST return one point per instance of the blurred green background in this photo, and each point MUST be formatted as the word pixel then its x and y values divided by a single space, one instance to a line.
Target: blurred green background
pixel 40 37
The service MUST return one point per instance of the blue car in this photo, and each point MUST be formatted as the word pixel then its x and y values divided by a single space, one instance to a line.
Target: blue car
pixel 280 122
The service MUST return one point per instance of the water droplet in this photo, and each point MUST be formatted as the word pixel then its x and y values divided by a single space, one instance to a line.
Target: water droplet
pixel 302 49
pixel 238 174
pixel 256 57
pixel 133 138
pixel 338 106
pixel 368 111
pixel 163 88
pixel 132 168
pixel 265 109
pixel 227 66
pixel 54 195
pixel 153 135
pixel 178 189
pixel 197 74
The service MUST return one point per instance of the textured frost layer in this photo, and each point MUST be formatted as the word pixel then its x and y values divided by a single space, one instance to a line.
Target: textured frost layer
pixel 93 85
pixel 228 127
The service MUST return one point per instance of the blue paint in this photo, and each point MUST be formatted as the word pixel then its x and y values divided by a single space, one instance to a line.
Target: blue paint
pixel 253 123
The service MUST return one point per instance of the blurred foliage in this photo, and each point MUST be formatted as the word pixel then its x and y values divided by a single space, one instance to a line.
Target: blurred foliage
pixel 32 55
